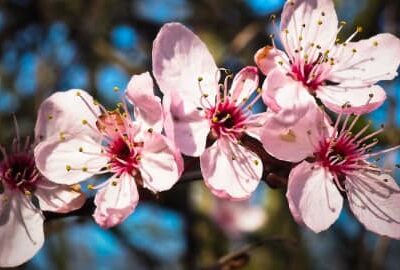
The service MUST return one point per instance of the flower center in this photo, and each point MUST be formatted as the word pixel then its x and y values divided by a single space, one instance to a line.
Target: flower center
pixel 310 74
pixel 18 171
pixel 339 155
pixel 124 155
pixel 226 119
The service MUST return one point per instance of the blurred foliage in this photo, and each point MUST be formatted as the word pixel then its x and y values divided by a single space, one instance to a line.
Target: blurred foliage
pixel 54 45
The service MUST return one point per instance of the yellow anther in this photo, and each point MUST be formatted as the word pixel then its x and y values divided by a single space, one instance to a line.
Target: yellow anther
pixel 200 79
pixel 27 192
pixel 150 130
pixel 256 162
pixel 354 50
pixel 68 168
pixel 76 188
pixel 286 31
pixel 84 169
pixel 62 136
pixel 78 94
pixel 319 22
pixel 138 157
pixel 342 23
pixel 376 43
pixel 205 95
pixel 90 187
pixel 80 149
pixel 259 90
pixel 116 88
pixel 359 29
pixel 96 102
pixel 114 183
pixel 215 119
pixel 84 122
pixel 49 117
pixel 300 38
pixel 290 136
pixel 280 62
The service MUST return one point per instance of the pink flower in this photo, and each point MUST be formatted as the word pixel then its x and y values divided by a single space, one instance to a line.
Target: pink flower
pixel 334 162
pixel 315 63
pixel 24 194
pixel 88 140
pixel 196 106
pixel 236 218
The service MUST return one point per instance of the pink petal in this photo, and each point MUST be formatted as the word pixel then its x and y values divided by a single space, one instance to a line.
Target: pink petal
pixel 374 200
pixel 116 201
pixel 187 131
pixel 295 142
pixel 369 61
pixel 244 84
pixel 230 171
pixel 21 234
pixel 308 22
pixel 255 128
pixel 268 58
pixel 363 99
pixel 63 162
pixel 160 163
pixel 59 198
pixel 148 110
pixel 286 97
pixel 64 112
pixel 180 58
pixel 312 196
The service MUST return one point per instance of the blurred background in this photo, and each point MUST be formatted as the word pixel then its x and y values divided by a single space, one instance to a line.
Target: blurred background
pixel 55 45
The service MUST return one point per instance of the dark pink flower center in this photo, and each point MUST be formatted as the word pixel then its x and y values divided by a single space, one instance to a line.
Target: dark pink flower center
pixel 309 74
pixel 226 119
pixel 18 171
pixel 339 155
pixel 124 155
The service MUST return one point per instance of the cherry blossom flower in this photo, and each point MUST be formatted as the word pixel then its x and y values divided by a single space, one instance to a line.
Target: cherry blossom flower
pixel 236 218
pixel 335 162
pixel 90 140
pixel 317 63
pixel 197 108
pixel 24 194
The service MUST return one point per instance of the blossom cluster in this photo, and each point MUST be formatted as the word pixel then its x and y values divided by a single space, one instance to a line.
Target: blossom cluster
pixel 315 91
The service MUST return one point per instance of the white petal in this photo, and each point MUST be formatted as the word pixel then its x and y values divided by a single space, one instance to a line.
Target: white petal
pixel 21 230
pixel 69 161
pixel 374 200
pixel 313 197
pixel 63 112
pixel 230 170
